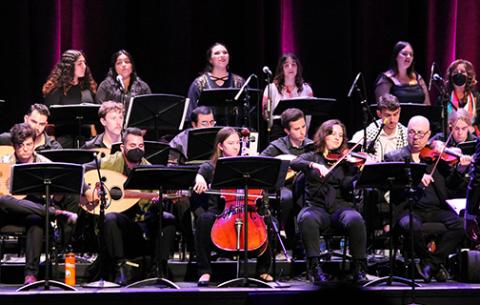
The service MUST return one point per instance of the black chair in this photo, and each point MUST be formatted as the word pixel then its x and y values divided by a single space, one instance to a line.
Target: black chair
pixel 331 236
pixel 12 237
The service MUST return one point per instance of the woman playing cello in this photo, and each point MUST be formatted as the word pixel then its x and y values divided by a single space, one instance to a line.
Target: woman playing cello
pixel 227 144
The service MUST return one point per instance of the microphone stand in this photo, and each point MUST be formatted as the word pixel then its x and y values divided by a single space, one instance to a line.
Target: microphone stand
pixel 101 283
pixel 411 201
pixel 367 114
pixel 445 100
pixel 246 100
pixel 269 107
pixel 371 146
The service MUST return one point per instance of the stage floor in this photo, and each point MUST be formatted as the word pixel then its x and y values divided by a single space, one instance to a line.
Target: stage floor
pixel 292 289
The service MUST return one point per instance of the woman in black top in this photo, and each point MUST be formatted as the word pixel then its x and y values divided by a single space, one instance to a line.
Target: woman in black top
pixel 70 82
pixel 227 144
pixel 328 201
pixel 122 81
pixel 401 79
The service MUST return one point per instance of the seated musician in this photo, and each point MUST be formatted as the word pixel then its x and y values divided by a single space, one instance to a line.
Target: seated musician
pixel 329 201
pixel 473 198
pixel 127 234
pixel 393 134
pixel 431 205
pixel 201 117
pixel 30 210
pixel 37 118
pixel 460 125
pixel 227 144
pixel 293 144
pixel 111 117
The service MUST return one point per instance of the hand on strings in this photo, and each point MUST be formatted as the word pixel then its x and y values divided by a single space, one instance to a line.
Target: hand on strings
pixel 471 228
pixel 200 184
pixel 427 179
pixel 464 163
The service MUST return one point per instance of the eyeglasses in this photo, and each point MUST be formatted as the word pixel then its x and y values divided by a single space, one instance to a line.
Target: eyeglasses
pixel 207 124
pixel 419 134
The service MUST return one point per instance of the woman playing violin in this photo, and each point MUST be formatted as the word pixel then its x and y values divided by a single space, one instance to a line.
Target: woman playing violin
pixel 227 144
pixel 328 201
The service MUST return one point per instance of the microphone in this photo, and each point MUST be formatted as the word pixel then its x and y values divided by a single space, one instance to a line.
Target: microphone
pixel 371 145
pixel 432 69
pixel 354 84
pixel 120 80
pixel 437 77
pixel 267 70
pixel 243 87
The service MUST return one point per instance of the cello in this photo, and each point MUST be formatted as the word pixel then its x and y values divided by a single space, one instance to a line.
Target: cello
pixel 228 232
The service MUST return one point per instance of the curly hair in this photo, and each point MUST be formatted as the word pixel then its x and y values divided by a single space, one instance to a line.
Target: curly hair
pixel 471 75
pixel 279 78
pixel 62 75
pixel 326 129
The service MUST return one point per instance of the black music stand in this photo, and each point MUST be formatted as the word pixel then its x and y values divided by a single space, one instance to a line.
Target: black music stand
pixel 47 178
pixel 408 110
pixel 76 156
pixel 468 147
pixel 157 112
pixel 314 106
pixel 200 143
pixel 266 173
pixel 80 113
pixel 388 175
pixel 223 100
pixel 161 178
pixel 155 152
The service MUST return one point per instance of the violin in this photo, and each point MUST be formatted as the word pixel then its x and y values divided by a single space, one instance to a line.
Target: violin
pixel 355 158
pixel 438 150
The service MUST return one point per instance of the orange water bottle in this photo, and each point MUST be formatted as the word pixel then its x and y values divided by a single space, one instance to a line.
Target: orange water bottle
pixel 70 278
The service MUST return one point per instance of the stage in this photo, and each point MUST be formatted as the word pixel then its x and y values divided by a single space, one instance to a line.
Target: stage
pixel 293 289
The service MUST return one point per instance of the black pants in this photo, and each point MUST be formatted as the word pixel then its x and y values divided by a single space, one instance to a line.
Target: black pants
pixel 204 245
pixel 31 215
pixel 125 238
pixel 312 221
pixel 448 241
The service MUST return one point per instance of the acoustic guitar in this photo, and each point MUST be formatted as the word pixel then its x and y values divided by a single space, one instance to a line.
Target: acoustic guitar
pixel 290 173
pixel 5 174
pixel 118 199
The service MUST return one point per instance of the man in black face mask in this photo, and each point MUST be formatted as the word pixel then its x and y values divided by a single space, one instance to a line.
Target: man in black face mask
pixel 127 234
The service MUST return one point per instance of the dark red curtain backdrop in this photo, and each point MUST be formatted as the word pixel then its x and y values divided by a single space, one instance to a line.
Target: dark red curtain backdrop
pixel 334 40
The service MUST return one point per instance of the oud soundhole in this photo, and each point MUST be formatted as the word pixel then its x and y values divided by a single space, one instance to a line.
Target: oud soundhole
pixel 115 193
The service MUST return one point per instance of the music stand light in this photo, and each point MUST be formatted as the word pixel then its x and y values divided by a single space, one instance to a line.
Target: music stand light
pixel 157 112
pixel 389 175
pixel 80 113
pixel 266 173
pixel 46 178
pixel 159 177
